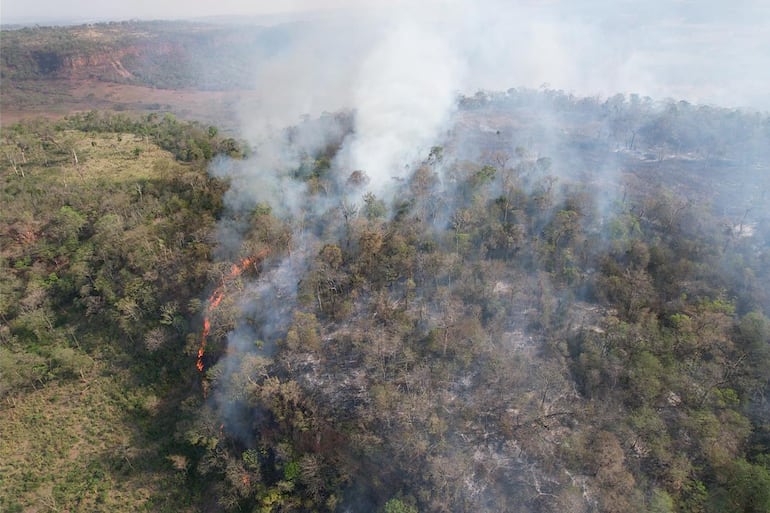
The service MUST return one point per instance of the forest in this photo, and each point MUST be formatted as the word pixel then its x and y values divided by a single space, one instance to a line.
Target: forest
pixel 562 306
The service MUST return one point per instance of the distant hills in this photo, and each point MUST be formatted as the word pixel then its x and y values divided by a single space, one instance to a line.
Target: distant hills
pixel 157 54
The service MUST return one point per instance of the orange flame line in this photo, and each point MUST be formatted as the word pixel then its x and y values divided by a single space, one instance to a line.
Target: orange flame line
pixel 218 295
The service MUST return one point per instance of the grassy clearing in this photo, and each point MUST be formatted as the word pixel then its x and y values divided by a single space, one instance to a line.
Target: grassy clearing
pixel 101 158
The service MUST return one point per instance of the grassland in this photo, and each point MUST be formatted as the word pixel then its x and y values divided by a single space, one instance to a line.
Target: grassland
pixel 53 99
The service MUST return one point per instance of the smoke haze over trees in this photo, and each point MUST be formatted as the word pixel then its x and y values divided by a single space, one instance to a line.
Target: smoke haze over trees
pixel 499 294
pixel 525 301
pixel 701 51
pixel 466 258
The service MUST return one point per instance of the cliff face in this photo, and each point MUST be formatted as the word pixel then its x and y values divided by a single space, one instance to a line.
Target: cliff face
pixel 102 64
pixel 160 55
pixel 106 64
pixel 74 59
pixel 78 62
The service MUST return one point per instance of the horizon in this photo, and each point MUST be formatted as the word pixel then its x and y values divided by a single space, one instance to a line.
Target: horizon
pixel 700 52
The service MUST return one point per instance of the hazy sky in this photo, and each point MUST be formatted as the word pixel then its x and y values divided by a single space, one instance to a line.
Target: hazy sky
pixel 27 11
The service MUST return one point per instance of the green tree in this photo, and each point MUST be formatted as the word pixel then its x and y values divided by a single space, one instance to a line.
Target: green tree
pixel 746 489
pixel 398 506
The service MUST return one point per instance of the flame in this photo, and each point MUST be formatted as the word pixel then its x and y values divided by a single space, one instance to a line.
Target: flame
pixel 218 295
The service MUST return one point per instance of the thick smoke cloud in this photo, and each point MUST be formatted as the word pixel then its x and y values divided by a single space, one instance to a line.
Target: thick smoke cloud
pixel 403 97
pixel 697 51
pixel 399 69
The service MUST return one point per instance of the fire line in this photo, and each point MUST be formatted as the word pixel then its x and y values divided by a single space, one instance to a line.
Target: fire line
pixel 218 295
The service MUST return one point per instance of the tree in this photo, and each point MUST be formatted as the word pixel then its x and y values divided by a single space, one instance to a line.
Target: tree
pixel 303 335
pixel 374 208
pixel 746 489
pixel 615 481
pixel 398 506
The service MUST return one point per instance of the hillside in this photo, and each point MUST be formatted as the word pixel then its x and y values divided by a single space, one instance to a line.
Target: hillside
pixel 99 286
pixel 563 312
pixel 576 325
pixel 395 297
pixel 196 70
pixel 167 55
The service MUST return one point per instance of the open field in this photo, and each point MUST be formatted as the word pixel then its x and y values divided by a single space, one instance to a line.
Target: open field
pixel 57 98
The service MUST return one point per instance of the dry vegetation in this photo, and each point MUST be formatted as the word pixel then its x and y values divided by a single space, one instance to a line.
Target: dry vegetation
pixel 56 98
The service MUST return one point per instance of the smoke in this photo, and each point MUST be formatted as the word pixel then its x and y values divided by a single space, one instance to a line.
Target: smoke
pixel 397 76
pixel 403 97
pixel 263 310
pixel 400 70
pixel 311 73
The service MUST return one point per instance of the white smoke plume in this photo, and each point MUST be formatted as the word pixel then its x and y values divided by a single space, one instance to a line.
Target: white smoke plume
pixel 400 68
pixel 399 71
pixel 404 94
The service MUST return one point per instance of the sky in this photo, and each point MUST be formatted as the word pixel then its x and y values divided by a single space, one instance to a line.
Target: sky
pixel 30 11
